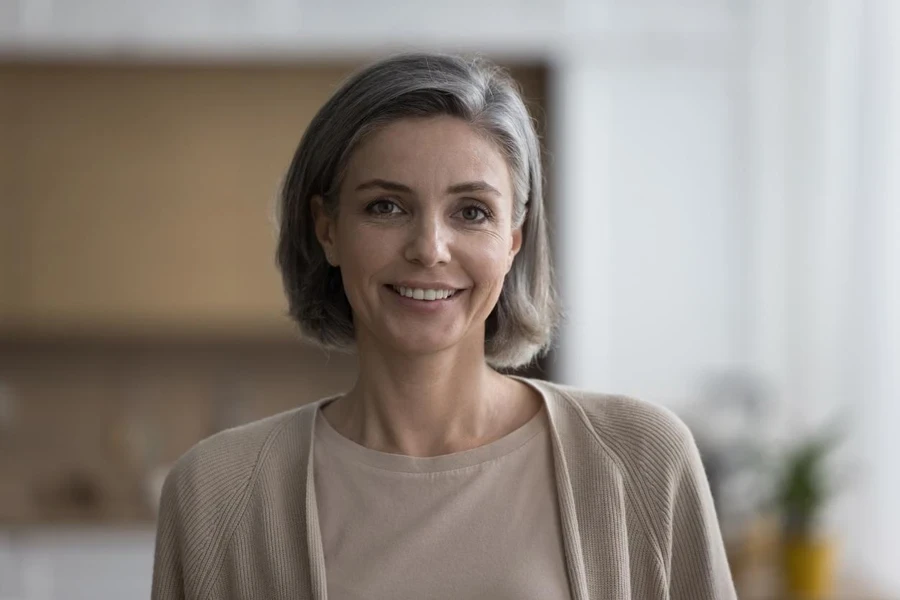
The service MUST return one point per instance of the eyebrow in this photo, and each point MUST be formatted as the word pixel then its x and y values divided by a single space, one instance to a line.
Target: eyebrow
pixel 458 188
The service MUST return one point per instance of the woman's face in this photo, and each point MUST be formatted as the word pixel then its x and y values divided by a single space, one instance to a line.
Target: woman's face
pixel 425 210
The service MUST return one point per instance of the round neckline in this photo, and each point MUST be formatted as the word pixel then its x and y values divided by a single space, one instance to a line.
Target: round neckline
pixel 348 449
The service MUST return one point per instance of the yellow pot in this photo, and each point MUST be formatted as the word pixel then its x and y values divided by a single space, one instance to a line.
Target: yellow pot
pixel 809 566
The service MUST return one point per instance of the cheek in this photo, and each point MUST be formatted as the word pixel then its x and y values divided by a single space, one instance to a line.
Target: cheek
pixel 364 251
pixel 488 262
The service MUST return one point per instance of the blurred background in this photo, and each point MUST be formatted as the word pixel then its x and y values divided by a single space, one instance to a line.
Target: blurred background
pixel 723 185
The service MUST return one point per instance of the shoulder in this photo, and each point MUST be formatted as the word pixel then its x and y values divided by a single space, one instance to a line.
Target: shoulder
pixel 648 441
pixel 211 482
pixel 218 467
pixel 204 497
pixel 666 486
pixel 654 452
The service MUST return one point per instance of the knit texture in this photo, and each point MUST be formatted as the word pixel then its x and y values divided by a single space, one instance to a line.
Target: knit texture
pixel 238 516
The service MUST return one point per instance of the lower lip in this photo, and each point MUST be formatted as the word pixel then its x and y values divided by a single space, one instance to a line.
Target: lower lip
pixel 427 306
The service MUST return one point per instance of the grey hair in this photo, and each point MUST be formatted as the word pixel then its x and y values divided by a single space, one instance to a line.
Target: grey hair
pixel 522 324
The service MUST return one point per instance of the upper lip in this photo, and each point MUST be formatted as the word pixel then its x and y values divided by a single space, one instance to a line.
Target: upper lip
pixel 425 285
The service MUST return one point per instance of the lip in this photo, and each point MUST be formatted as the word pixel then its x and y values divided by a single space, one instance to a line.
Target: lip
pixel 427 307
pixel 425 285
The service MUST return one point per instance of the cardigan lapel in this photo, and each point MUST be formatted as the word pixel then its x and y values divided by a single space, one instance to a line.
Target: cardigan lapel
pixel 565 496
pixel 591 500
pixel 318 582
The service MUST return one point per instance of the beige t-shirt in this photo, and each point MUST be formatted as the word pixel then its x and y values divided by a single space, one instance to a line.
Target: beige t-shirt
pixel 483 523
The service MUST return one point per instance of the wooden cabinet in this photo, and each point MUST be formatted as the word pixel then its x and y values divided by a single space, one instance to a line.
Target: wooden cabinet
pixel 11 202
pixel 143 198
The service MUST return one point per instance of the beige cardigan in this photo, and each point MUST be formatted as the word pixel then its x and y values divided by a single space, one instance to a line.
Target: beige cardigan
pixel 238 516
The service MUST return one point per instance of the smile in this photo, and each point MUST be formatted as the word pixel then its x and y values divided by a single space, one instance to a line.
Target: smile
pixel 429 295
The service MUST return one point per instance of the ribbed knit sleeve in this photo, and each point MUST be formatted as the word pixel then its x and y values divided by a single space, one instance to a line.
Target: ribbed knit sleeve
pixel 698 564
pixel 168 573
pixel 667 485
pixel 203 501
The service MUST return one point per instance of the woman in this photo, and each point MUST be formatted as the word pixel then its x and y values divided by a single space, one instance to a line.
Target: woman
pixel 413 231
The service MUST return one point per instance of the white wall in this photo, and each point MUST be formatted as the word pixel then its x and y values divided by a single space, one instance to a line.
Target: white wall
pixel 876 342
pixel 733 203
pixel 650 223
pixel 650 202
pixel 824 158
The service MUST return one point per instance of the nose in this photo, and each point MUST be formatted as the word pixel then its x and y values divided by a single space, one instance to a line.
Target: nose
pixel 428 245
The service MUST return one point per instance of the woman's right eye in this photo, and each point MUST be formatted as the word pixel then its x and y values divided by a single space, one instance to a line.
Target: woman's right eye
pixel 383 207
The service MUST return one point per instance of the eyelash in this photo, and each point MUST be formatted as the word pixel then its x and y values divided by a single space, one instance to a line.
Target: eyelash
pixel 488 215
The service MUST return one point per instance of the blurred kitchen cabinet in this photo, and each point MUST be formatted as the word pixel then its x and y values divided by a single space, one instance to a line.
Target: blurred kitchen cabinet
pixel 11 204
pixel 10 226
pixel 147 196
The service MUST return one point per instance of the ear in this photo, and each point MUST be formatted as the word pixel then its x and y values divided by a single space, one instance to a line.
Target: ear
pixel 515 247
pixel 326 228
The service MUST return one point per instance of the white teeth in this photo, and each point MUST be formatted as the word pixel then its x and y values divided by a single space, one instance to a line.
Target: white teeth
pixel 422 294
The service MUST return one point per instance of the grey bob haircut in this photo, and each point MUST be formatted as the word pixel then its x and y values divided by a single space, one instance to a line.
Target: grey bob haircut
pixel 522 324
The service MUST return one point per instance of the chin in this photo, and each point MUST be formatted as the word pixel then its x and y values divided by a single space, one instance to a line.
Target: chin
pixel 423 343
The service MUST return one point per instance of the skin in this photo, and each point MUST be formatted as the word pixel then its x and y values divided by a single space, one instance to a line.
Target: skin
pixel 424 387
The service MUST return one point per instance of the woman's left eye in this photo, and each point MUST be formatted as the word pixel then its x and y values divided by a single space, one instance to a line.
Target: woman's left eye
pixel 474 214
pixel 383 207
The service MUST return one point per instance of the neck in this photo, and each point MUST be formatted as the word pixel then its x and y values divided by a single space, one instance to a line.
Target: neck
pixel 427 405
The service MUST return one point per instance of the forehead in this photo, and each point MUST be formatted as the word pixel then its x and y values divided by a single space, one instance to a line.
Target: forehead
pixel 422 152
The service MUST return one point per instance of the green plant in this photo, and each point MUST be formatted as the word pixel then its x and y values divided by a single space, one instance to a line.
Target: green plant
pixel 806 484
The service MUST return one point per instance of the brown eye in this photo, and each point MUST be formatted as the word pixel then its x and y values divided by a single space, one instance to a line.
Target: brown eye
pixel 383 207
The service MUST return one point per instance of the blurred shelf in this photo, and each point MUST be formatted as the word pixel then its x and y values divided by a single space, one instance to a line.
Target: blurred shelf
pixel 131 329
pixel 70 524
